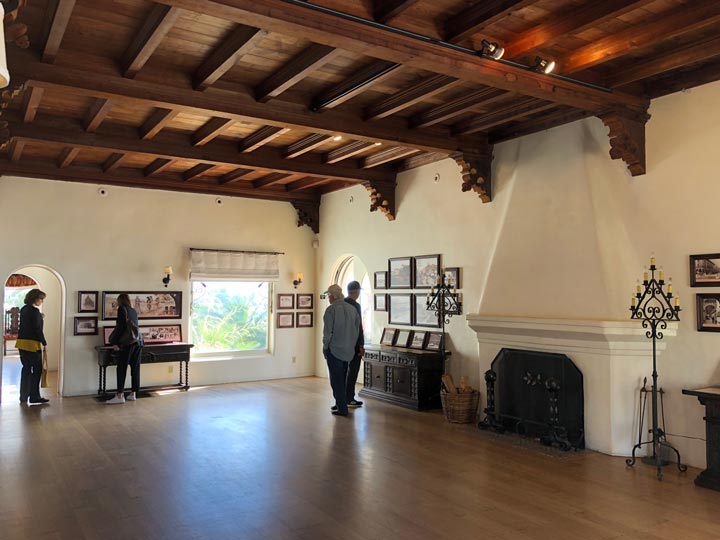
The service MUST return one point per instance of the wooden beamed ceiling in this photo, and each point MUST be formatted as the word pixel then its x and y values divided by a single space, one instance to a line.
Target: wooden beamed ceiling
pixel 281 100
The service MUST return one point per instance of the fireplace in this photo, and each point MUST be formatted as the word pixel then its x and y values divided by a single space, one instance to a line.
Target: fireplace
pixel 538 394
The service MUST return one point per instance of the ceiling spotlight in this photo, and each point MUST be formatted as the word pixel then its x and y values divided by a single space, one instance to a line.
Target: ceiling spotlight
pixel 378 143
pixel 493 50
pixel 542 65
pixel 337 138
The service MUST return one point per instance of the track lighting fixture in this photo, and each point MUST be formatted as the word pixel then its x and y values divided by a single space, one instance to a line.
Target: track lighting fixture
pixel 493 50
pixel 543 66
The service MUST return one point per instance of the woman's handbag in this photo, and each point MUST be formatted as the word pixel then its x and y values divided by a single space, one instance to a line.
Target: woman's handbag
pixel 43 378
pixel 129 335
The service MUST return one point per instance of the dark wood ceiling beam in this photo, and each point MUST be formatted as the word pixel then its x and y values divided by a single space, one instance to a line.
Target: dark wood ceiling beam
pixel 355 85
pixel 480 15
pixel 15 150
pixel 224 57
pixel 686 18
pixel 419 160
pixel 387 155
pixel 261 137
pixel 132 178
pixel 118 138
pixel 269 180
pixel 428 87
pixel 234 176
pixel 446 111
pixel 519 109
pixel 67 156
pixel 305 183
pixel 157 120
pixel 692 54
pixel 57 28
pixel 312 58
pixel 305 144
pixel 212 128
pixel 298 20
pixel 348 150
pixel 197 170
pixel 113 162
pixel 386 10
pixel 158 23
pixel 157 166
pixel 31 103
pixel 97 113
pixel 674 82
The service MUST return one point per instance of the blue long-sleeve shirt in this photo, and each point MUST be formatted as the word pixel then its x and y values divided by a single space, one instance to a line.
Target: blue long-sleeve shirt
pixel 341 326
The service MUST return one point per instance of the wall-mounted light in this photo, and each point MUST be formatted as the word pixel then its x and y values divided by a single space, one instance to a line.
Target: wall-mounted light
pixel 298 280
pixel 543 66
pixel 493 50
pixel 168 272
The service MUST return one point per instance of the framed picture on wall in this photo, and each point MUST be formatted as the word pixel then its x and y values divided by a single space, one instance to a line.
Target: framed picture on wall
pixel 380 302
pixel 304 301
pixel 388 336
pixel 305 320
pixel 153 334
pixel 400 273
pixel 433 342
pixel 452 277
pixel 286 301
pixel 708 312
pixel 285 320
pixel 402 338
pixel 380 280
pixel 400 309
pixel 86 326
pixel 418 339
pixel 705 270
pixel 87 301
pixel 424 316
pixel 426 269
pixel 149 305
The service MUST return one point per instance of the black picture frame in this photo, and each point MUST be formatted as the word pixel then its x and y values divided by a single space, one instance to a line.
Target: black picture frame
pixel 400 309
pixel 421 315
pixel 304 301
pixel 85 326
pixel 285 301
pixel 402 338
pixel 433 341
pixel 426 269
pixel 88 301
pixel 304 319
pixel 148 304
pixel 380 280
pixel 285 319
pixel 452 277
pixel 380 302
pixel 708 312
pixel 703 265
pixel 388 336
pixel 400 274
pixel 418 339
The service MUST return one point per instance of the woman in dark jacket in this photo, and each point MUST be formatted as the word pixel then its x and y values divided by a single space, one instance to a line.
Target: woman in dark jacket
pixel 129 353
pixel 30 343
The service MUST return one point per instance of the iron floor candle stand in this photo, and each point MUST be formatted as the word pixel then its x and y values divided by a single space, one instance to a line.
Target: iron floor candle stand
pixel 653 307
pixel 445 303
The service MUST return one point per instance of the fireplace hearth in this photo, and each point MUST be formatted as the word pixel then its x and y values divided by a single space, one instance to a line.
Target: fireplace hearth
pixel 537 394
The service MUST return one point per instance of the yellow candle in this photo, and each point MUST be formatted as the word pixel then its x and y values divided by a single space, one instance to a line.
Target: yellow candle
pixel 634 300
pixel 454 290
pixel 677 301
pixel 438 280
pixel 670 288
pixel 645 274
pixel 662 274
pixel 652 259
pixel 460 298
pixel 637 287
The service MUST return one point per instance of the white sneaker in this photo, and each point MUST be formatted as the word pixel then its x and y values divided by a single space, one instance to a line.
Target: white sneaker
pixel 115 400
pixel 131 397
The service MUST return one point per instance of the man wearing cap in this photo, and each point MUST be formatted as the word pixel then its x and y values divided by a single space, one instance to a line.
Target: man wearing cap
pixel 341 326
pixel 353 290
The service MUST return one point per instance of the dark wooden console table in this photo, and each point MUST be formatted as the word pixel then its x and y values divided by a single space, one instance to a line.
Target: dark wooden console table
pixel 710 397
pixel 406 377
pixel 151 354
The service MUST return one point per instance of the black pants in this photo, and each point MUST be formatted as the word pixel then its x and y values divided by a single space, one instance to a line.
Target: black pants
pixel 352 375
pixel 338 374
pixel 30 375
pixel 129 355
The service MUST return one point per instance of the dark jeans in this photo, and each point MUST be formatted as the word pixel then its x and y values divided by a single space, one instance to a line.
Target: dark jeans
pixel 352 375
pixel 338 374
pixel 30 375
pixel 129 355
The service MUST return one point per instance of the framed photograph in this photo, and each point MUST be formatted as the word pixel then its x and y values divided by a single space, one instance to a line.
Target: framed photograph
pixel 400 273
pixel 424 316
pixel 705 270
pixel 286 320
pixel 381 302
pixel 286 301
pixel 400 309
pixel 87 302
pixel 433 341
pixel 86 326
pixel 149 305
pixel 426 269
pixel 304 301
pixel 388 336
pixel 380 280
pixel 418 339
pixel 402 338
pixel 153 334
pixel 452 277
pixel 708 312
pixel 305 320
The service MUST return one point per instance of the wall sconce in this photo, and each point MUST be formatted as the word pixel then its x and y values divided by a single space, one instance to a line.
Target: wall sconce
pixel 493 50
pixel 168 273
pixel 298 280
pixel 543 66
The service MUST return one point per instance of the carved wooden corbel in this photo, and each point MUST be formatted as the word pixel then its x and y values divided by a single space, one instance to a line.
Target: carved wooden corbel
pixel 627 137
pixel 15 32
pixel 6 96
pixel 475 168
pixel 382 197
pixel 308 214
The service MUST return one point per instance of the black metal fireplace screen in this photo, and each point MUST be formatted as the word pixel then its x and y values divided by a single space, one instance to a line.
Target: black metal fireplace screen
pixel 536 394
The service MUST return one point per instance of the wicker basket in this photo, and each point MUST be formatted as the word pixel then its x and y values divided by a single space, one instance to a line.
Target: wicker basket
pixel 460 408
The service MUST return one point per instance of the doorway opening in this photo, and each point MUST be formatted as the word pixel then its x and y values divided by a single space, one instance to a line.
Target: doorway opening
pixel 351 268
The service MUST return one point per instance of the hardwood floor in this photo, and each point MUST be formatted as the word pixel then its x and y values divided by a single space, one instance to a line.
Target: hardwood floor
pixel 267 461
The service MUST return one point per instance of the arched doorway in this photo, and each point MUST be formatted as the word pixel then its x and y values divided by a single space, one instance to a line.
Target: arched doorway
pixel 350 268
pixel 51 282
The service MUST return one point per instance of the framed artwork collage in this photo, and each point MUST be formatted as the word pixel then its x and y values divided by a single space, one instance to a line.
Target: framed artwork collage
pixel 292 319
pixel 705 272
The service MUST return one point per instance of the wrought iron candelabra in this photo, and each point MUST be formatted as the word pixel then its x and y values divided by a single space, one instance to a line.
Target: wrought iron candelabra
pixel 445 303
pixel 653 306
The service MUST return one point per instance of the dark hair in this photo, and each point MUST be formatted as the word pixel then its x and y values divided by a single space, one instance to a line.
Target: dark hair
pixel 123 300
pixel 32 296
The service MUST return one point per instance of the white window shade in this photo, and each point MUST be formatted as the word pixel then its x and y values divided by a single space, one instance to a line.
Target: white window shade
pixel 212 265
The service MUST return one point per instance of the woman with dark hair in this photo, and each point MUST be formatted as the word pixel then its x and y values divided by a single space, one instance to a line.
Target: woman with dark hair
pixel 30 343
pixel 129 353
